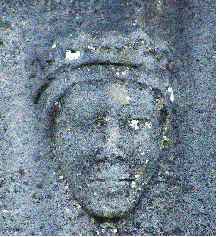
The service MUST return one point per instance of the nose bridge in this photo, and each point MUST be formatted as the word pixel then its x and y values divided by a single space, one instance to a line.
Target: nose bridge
pixel 113 135
pixel 113 132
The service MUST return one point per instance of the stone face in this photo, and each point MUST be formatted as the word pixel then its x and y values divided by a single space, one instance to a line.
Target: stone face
pixel 100 152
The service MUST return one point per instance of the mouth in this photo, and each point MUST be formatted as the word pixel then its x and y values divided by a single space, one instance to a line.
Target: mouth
pixel 107 172
pixel 106 180
pixel 112 189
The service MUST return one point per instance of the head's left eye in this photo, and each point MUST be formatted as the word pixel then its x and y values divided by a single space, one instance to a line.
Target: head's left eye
pixel 101 121
pixel 134 123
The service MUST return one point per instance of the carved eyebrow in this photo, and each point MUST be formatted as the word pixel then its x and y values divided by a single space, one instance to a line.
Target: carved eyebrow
pixel 92 63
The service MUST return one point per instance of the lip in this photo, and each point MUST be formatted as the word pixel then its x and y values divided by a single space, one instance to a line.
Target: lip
pixel 117 173
pixel 110 190
pixel 111 180
pixel 110 187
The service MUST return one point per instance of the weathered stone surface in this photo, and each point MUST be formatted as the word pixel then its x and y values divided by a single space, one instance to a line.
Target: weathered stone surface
pixel 34 196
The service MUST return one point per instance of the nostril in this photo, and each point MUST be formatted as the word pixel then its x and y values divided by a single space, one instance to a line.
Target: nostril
pixel 50 61
pixel 117 159
pixel 102 160
pixel 112 159
pixel 96 151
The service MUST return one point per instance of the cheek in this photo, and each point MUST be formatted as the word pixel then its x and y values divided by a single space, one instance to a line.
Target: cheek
pixel 148 141
pixel 78 140
pixel 150 144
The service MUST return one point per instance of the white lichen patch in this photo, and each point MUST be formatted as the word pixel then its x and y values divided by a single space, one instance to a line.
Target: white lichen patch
pixel 135 23
pixel 91 47
pixel 66 187
pixel 5 211
pixel 72 56
pixel 134 124
pixel 124 73
pixel 148 124
pixel 106 119
pixel 67 210
pixel 159 5
pixel 128 98
pixel 137 176
pixel 160 103
pixel 165 138
pixel 170 90
pixel 133 184
pixel 54 46
pixel 57 104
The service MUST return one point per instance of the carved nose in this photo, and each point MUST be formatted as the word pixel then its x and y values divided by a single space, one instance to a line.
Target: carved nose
pixel 112 136
pixel 113 159
pixel 117 159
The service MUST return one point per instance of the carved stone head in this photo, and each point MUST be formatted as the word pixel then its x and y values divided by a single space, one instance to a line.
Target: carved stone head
pixel 104 104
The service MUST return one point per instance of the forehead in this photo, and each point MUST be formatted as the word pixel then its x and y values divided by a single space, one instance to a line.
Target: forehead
pixel 90 96
pixel 112 89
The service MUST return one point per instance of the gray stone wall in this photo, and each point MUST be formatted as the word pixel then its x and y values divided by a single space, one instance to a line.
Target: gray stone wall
pixel 34 196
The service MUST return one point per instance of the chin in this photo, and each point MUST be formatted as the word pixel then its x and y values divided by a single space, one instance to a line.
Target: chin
pixel 111 209
pixel 107 199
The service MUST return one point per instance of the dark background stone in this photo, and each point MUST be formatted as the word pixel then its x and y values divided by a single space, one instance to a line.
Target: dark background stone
pixel 34 198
